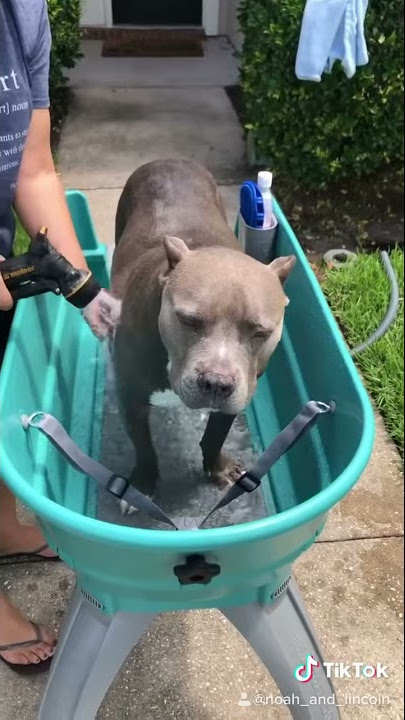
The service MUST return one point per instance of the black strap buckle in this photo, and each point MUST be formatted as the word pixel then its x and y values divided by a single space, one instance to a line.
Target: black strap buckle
pixel 117 486
pixel 248 482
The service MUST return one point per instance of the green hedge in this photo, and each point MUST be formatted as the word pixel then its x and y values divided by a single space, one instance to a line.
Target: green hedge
pixel 64 17
pixel 339 128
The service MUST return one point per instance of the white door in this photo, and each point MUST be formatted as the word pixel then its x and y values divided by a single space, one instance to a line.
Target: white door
pixel 99 12
pixel 93 13
pixel 211 16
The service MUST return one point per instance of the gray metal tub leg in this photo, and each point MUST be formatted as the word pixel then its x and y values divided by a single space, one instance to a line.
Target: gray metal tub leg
pixel 92 649
pixel 282 636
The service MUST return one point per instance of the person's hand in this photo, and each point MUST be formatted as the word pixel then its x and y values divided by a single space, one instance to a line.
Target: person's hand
pixel 103 315
pixel 6 301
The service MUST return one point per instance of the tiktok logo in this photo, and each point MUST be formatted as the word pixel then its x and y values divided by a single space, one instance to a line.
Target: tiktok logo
pixel 304 673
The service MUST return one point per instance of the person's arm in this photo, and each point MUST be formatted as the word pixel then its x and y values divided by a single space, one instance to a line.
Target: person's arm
pixel 39 198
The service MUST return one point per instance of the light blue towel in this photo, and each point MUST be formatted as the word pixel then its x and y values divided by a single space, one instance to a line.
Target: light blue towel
pixel 331 30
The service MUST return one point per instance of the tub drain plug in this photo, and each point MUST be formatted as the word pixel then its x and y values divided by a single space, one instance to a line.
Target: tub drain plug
pixel 196 571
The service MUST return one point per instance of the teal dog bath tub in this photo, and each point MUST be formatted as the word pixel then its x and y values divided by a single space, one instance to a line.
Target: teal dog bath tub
pixel 54 364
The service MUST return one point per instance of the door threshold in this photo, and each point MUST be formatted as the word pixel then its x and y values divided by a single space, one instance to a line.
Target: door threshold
pixel 156 27
pixel 95 32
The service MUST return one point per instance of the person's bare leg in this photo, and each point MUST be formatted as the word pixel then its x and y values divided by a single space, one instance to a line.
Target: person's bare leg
pixel 15 628
pixel 15 537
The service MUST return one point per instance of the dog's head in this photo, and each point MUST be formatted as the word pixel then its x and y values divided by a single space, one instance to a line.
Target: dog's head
pixel 221 319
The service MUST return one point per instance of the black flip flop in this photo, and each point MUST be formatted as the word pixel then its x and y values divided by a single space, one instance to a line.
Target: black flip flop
pixel 28 557
pixel 31 668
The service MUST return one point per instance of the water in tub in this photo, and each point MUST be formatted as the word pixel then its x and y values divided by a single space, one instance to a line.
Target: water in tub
pixel 183 489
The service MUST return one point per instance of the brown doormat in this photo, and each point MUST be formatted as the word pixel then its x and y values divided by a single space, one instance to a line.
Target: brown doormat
pixel 153 43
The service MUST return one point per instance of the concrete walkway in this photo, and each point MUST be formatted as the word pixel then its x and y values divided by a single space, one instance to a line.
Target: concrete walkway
pixel 195 665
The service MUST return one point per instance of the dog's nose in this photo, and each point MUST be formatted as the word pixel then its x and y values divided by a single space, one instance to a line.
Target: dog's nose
pixel 214 384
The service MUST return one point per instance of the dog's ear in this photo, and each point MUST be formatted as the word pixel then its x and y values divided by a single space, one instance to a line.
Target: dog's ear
pixel 282 266
pixel 176 251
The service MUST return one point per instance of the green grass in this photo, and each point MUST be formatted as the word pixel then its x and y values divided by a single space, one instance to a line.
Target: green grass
pixel 21 240
pixel 358 295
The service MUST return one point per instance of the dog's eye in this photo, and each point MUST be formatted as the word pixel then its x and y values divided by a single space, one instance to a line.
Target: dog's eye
pixel 190 320
pixel 262 334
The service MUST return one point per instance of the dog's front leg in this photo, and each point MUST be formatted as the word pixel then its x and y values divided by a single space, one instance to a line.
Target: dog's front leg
pixel 222 469
pixel 145 474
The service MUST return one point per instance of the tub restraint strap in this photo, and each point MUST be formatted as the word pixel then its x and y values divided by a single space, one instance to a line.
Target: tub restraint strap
pixel 121 489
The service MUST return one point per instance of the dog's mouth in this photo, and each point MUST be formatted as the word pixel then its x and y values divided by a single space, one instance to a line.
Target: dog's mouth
pixel 211 403
pixel 228 400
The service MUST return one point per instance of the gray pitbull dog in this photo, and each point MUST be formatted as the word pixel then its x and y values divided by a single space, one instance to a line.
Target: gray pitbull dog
pixel 198 316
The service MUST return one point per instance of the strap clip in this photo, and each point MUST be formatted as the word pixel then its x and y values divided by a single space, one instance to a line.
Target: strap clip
pixel 249 483
pixel 117 486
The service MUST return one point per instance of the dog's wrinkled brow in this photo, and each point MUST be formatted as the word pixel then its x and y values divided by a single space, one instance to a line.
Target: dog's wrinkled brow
pixel 188 311
pixel 261 326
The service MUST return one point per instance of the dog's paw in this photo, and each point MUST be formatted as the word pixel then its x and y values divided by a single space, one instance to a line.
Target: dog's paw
pixel 226 472
pixel 127 509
